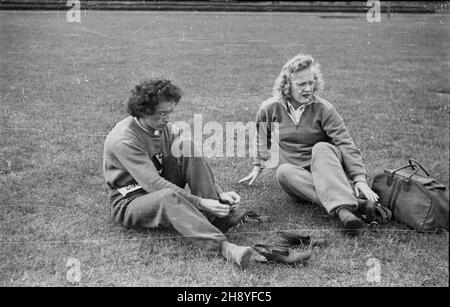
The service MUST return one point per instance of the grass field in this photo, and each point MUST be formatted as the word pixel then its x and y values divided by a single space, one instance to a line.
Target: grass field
pixel 63 87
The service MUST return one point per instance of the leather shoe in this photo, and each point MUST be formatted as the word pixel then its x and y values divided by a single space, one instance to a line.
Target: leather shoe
pixel 350 222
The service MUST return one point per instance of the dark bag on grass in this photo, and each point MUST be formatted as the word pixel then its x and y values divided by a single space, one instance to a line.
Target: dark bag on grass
pixel 420 202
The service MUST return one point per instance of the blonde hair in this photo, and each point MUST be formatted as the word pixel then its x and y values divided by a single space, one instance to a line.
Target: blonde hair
pixel 282 85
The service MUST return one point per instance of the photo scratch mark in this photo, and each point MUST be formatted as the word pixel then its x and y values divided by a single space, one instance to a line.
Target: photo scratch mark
pixel 139 29
pixel 99 49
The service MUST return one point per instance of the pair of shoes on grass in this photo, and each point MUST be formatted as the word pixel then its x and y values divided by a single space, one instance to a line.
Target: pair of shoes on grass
pixel 282 252
pixel 274 253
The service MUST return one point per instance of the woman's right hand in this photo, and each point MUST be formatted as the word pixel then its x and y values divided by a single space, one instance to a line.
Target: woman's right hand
pixel 253 175
pixel 215 207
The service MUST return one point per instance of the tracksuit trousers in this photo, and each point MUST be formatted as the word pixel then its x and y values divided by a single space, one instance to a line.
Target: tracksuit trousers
pixel 173 210
pixel 326 183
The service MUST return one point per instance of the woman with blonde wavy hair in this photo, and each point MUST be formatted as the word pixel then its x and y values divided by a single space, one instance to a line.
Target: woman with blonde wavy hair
pixel 317 155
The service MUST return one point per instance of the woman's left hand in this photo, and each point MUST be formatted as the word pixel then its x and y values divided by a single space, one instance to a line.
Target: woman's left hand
pixel 362 187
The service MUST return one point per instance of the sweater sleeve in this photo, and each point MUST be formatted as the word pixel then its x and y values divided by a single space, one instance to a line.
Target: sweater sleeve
pixel 263 138
pixel 334 126
pixel 136 161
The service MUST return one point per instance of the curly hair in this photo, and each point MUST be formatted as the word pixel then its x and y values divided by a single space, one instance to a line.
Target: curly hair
pixel 282 85
pixel 149 93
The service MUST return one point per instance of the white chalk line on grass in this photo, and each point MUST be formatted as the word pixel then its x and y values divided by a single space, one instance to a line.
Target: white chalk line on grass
pixel 131 240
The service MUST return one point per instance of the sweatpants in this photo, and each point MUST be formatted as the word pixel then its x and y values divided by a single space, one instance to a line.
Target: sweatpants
pixel 325 183
pixel 173 210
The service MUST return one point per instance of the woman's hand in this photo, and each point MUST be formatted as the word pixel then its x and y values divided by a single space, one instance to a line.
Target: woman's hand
pixel 231 198
pixel 253 175
pixel 362 187
pixel 215 207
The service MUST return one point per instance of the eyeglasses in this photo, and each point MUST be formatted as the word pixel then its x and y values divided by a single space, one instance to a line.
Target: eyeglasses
pixel 166 113
pixel 303 85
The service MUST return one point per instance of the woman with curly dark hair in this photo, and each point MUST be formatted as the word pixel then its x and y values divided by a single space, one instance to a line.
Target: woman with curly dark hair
pixel 317 155
pixel 147 181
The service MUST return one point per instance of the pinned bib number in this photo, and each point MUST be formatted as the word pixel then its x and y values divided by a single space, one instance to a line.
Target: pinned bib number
pixel 129 188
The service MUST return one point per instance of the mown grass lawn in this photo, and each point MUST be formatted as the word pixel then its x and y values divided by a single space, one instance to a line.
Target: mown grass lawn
pixel 63 87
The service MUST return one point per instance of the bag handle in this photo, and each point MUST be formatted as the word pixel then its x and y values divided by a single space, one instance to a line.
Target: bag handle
pixel 413 164
pixel 411 161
